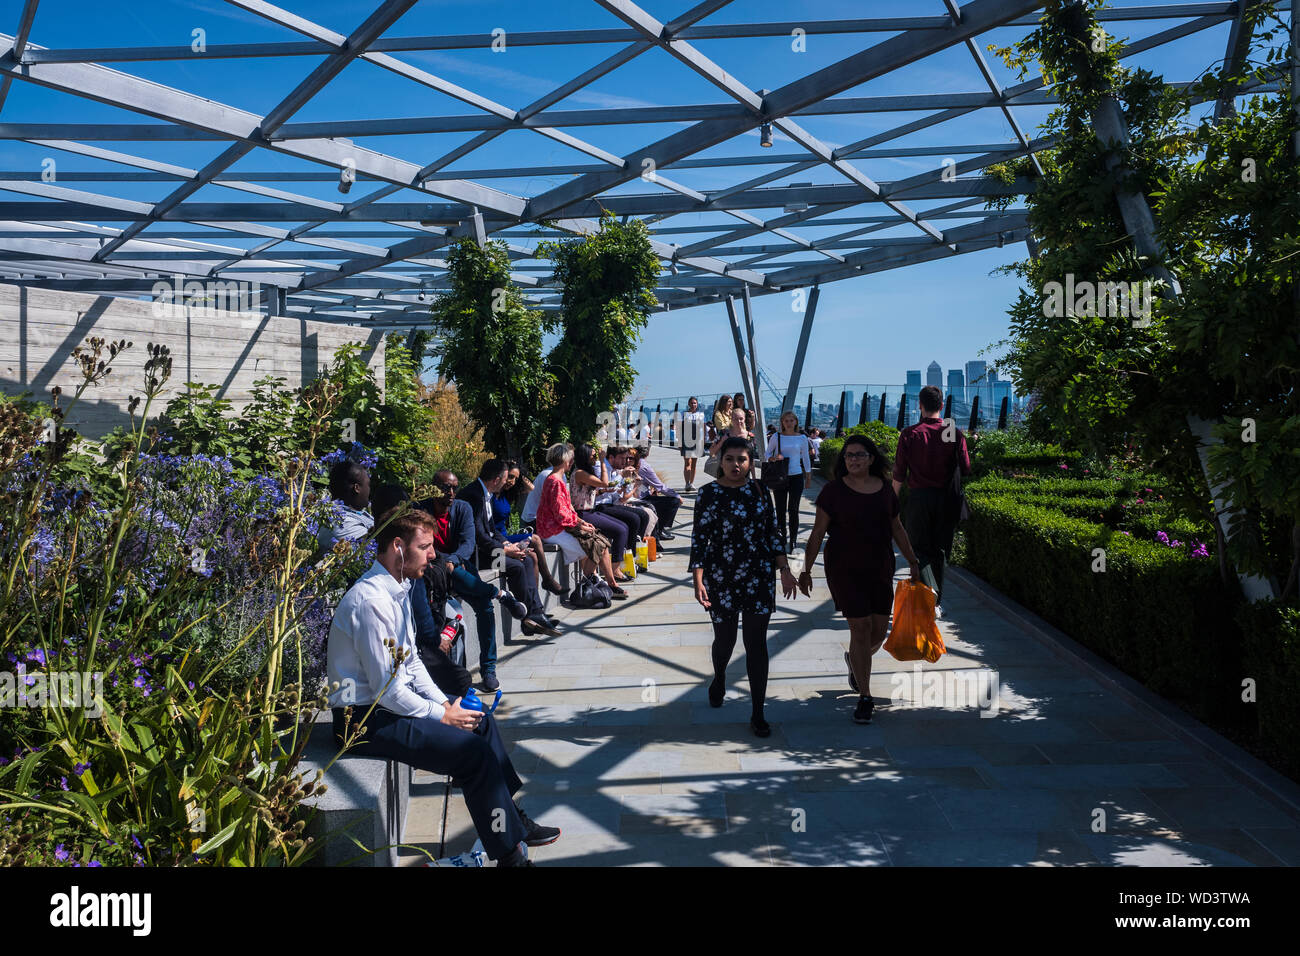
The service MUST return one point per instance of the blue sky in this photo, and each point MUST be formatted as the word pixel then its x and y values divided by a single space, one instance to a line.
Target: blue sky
pixel 868 329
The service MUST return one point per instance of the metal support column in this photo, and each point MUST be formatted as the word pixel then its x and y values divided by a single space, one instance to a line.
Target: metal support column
pixel 740 351
pixel 760 425
pixel 810 310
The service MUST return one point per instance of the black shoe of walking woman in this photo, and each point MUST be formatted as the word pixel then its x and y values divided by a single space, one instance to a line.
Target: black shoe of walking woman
pixel 717 692
pixel 760 727
pixel 862 714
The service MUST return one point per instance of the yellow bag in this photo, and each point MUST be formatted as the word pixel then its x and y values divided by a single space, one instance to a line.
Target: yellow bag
pixel 914 635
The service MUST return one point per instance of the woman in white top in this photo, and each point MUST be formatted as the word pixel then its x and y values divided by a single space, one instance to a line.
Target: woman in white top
pixel 693 440
pixel 792 446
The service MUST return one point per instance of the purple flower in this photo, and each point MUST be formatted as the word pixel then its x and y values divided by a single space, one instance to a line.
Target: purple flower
pixel 94 863
pixel 3 761
pixel 136 841
pixel 63 782
pixel 1162 537
pixel 60 854
pixel 139 680
pixel 80 768
pixel 37 655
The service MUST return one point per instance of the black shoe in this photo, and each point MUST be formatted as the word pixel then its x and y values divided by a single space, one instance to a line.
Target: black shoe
pixel 760 727
pixel 531 626
pixel 515 858
pixel 665 535
pixel 853 681
pixel 551 619
pixel 717 693
pixel 534 833
pixel 518 609
pixel 553 586
pixel 617 593
pixel 862 714
pixel 489 682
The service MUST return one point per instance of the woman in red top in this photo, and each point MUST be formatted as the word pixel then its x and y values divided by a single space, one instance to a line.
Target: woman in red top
pixel 556 517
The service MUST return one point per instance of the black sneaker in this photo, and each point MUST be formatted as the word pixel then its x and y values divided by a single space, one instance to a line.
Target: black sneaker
pixel 665 535
pixel 489 682
pixel 862 715
pixel 853 681
pixel 534 833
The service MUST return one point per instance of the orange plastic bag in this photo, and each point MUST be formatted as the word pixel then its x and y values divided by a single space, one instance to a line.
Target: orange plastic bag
pixel 915 633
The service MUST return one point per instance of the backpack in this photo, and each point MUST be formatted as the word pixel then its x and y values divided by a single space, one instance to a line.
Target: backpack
pixel 591 592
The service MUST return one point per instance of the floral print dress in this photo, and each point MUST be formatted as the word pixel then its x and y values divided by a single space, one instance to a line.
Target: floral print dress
pixel 736 542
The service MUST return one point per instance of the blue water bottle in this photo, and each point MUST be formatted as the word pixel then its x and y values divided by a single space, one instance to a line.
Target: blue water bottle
pixel 471 701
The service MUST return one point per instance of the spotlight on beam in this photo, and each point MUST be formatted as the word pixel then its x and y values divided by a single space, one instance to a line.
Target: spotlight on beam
pixel 766 133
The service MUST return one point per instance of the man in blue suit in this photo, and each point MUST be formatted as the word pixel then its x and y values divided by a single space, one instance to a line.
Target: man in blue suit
pixel 455 547
pixel 515 561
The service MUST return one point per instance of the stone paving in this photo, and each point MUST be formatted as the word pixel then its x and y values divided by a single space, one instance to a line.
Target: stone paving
pixel 613 735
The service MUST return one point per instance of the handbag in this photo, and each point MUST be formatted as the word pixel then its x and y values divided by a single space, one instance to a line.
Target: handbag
pixel 711 466
pixel 775 475
pixel 590 593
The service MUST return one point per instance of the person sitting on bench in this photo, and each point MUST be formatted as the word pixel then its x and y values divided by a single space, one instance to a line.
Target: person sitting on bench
pixel 372 660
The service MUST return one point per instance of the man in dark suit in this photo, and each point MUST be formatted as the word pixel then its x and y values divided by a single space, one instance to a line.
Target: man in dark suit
pixel 515 561
pixel 454 544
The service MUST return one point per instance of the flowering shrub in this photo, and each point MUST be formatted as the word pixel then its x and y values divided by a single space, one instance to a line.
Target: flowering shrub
pixel 167 615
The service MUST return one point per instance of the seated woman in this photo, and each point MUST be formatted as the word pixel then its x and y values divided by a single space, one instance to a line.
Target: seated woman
pixel 501 521
pixel 588 484
pixel 559 524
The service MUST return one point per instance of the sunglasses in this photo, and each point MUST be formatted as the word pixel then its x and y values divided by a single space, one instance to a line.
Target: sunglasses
pixel 857 454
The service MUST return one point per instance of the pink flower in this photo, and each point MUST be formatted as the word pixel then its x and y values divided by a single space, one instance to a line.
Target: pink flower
pixel 1064 465
pixel 1140 502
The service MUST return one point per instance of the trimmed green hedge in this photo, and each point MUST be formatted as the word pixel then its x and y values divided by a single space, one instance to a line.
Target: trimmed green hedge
pixel 1156 612
pixel 885 436
pixel 1271 656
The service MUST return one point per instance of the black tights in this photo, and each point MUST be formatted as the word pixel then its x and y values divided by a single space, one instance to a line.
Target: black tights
pixel 787 503
pixel 754 634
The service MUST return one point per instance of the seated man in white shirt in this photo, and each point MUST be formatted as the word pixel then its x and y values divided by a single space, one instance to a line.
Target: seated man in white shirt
pixel 413 721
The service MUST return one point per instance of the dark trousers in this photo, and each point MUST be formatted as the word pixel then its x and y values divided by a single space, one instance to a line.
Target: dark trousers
pixel 518 582
pixel 479 595
pixel 787 502
pixel 612 528
pixel 477 761
pixel 665 507
pixel 636 519
pixel 754 634
pixel 448 672
pixel 929 527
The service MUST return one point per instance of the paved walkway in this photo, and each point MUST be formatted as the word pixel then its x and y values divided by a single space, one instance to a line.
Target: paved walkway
pixel 612 732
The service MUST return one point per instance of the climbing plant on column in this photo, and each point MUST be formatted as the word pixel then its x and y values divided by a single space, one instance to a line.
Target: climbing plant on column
pixel 608 278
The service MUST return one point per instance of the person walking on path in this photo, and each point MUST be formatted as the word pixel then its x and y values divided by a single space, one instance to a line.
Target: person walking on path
pixel 928 454
pixel 791 445
pixel 693 438
pixel 859 510
pixel 735 554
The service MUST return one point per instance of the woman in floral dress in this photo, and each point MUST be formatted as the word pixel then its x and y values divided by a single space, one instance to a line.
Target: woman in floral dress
pixel 735 553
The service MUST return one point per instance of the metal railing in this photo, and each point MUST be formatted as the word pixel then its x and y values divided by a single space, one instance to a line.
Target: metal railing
pixel 834 408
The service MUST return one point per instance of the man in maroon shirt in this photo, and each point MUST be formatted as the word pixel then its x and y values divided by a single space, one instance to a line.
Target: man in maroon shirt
pixel 928 452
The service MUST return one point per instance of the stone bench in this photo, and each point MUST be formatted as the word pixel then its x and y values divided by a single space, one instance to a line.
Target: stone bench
pixel 505 623
pixel 367 798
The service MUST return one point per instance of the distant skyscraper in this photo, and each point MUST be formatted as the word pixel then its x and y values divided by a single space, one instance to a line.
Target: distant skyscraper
pixel 957 389
pixel 914 378
pixel 976 373
pixel 934 375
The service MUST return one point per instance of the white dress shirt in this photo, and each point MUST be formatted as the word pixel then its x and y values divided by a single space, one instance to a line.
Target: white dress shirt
pixel 534 499
pixel 794 448
pixel 376 608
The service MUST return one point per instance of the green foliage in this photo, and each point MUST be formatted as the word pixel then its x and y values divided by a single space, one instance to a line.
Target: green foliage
pixel 1271 657
pixel 199 422
pixel 492 349
pixel 885 436
pixel 609 278
pixel 1156 612
pixel 1226 197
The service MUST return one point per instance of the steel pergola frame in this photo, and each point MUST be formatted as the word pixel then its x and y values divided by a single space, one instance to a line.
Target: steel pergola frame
pixel 377 258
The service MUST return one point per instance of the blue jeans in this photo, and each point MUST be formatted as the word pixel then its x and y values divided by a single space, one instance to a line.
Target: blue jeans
pixel 479 595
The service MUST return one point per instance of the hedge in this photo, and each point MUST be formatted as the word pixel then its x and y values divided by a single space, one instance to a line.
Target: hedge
pixel 1271 656
pixel 1156 612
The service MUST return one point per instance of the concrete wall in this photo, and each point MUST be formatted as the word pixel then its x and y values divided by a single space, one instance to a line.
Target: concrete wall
pixel 39 329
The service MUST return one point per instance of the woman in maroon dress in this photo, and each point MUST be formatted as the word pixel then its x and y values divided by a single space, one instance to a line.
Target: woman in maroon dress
pixel 860 511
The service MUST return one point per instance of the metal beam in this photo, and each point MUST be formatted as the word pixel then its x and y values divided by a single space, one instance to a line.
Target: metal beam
pixel 809 312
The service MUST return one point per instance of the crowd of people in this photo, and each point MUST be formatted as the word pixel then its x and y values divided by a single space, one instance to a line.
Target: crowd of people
pixel 395 647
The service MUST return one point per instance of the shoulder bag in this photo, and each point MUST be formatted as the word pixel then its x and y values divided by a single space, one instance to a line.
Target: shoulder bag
pixel 776 474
